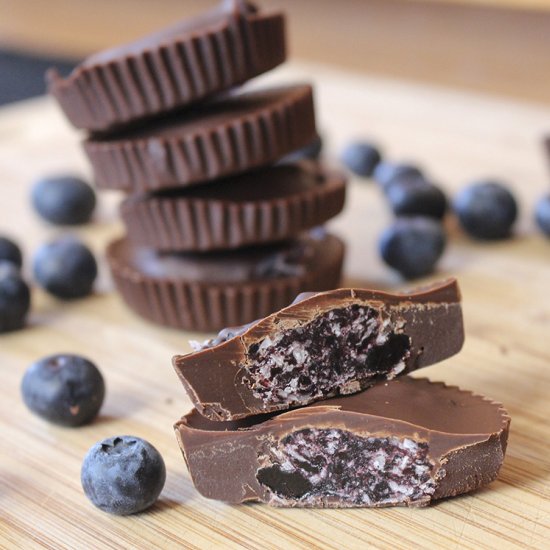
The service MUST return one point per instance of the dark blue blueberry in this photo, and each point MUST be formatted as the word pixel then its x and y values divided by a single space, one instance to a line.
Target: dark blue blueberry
pixel 361 158
pixel 390 172
pixel 63 200
pixel 65 268
pixel 10 252
pixel 416 197
pixel 486 210
pixel 64 389
pixel 15 298
pixel 413 246
pixel 123 475
pixel 542 214
pixel 311 151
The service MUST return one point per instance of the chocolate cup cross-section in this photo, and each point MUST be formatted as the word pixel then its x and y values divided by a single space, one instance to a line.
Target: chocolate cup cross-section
pixel 406 442
pixel 173 68
pixel 330 343
pixel 219 138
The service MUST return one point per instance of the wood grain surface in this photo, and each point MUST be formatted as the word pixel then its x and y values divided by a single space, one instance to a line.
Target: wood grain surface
pixel 457 137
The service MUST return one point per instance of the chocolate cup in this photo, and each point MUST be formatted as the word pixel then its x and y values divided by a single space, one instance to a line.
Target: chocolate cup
pixel 210 291
pixel 325 344
pixel 259 207
pixel 463 437
pixel 172 68
pixel 219 138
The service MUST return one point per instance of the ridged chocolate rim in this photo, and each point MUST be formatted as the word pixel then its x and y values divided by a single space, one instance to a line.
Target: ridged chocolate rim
pixel 207 307
pixel 236 46
pixel 464 461
pixel 282 121
pixel 448 487
pixel 180 223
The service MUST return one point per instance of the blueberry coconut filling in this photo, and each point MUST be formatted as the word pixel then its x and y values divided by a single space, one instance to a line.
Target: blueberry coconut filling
pixel 315 466
pixel 340 351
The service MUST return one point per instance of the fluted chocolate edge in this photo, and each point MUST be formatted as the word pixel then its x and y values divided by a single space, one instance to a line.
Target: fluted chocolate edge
pixel 463 467
pixel 207 307
pixel 235 145
pixel 183 224
pixel 174 74
pixel 463 462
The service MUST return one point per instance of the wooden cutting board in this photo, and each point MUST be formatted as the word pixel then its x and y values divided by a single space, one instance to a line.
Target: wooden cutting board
pixel 505 287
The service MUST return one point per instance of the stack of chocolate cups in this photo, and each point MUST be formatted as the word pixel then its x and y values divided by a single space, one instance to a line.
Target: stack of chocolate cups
pixel 219 231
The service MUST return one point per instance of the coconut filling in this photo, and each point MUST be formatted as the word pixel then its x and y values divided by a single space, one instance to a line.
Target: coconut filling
pixel 338 352
pixel 320 467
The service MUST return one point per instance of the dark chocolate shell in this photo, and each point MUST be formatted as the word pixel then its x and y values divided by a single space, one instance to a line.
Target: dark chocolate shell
pixel 172 68
pixel 207 292
pixel 407 442
pixel 272 204
pixel 219 138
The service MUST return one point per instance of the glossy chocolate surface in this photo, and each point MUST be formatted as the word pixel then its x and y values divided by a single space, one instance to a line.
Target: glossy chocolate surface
pixel 288 259
pixel 222 137
pixel 208 291
pixel 463 438
pixel 172 68
pixel 258 207
pixel 325 344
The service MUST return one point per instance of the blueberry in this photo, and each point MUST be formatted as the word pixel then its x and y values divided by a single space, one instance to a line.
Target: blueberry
pixel 390 172
pixel 542 214
pixel 64 389
pixel 10 252
pixel 66 268
pixel 311 151
pixel 361 158
pixel 63 200
pixel 15 298
pixel 416 197
pixel 123 475
pixel 412 246
pixel 486 210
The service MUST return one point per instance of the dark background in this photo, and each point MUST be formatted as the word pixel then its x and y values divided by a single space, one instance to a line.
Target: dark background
pixel 22 76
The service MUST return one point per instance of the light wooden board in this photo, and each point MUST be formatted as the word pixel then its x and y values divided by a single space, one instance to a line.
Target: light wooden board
pixel 507 314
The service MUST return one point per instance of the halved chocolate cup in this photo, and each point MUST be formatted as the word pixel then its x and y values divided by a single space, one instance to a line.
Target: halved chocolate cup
pixel 406 442
pixel 324 344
